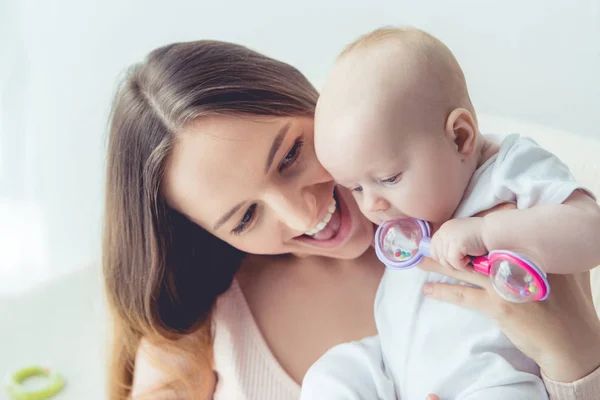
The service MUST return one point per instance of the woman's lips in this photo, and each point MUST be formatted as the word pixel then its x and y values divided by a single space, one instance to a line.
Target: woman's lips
pixel 336 230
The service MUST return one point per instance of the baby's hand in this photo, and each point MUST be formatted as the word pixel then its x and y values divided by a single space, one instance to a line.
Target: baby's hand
pixel 456 240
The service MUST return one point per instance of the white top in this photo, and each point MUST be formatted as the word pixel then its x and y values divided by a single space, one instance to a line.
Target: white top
pixel 350 371
pixel 430 346
pixel 521 172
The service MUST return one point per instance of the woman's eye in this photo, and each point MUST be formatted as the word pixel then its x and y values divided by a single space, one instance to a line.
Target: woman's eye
pixel 292 155
pixel 392 179
pixel 246 220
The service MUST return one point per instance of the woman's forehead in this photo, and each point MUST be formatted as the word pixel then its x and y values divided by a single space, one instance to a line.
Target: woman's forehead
pixel 218 162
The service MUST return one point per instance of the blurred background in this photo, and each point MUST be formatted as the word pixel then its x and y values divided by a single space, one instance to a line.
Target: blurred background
pixel 60 61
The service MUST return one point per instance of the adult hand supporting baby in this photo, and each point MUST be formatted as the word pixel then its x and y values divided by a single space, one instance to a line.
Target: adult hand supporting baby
pixel 561 334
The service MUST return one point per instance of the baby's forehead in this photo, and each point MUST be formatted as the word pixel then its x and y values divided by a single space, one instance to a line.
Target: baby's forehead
pixel 353 123
pixel 351 162
pixel 361 115
pixel 357 91
pixel 377 82
pixel 356 145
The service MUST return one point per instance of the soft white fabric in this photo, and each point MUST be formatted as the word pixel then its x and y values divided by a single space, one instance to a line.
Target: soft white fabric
pixel 435 347
pixel 352 371
pixel 521 172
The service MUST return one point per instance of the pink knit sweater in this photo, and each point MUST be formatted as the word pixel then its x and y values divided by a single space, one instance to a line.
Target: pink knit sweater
pixel 246 367
pixel 587 388
pixel 248 370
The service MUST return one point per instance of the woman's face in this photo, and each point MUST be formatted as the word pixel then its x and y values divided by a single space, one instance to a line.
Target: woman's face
pixel 255 182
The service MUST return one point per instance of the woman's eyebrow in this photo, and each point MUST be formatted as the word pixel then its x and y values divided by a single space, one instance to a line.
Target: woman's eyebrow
pixel 227 215
pixel 276 145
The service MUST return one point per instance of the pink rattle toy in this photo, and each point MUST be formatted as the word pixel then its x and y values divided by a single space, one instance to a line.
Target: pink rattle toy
pixel 402 243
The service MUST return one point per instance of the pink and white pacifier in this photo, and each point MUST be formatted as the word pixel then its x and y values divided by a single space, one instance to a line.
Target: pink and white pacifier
pixel 402 243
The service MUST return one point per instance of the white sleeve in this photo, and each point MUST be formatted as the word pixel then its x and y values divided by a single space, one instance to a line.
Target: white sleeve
pixel 529 175
pixel 349 371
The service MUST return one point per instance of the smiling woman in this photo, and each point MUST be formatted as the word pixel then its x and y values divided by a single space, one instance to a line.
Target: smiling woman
pixel 284 201
pixel 219 139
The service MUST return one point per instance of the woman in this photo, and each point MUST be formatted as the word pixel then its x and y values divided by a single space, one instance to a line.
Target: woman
pixel 224 232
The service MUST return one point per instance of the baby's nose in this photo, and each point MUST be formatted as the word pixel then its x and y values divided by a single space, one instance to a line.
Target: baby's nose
pixel 376 204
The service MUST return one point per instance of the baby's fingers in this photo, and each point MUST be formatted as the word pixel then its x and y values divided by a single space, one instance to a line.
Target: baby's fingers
pixel 434 252
pixel 438 250
pixel 459 260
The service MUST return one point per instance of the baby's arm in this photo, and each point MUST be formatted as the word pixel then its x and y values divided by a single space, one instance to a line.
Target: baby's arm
pixel 556 225
pixel 350 371
pixel 562 238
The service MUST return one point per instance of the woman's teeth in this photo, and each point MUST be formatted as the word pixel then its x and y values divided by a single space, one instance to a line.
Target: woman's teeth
pixel 326 218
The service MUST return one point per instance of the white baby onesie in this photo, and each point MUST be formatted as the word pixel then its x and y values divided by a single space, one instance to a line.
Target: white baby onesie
pixel 428 346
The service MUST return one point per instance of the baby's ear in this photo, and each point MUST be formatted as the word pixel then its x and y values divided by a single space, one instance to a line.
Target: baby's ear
pixel 462 129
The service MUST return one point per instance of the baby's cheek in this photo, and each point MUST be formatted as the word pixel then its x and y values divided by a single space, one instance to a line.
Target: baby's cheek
pixel 430 202
pixel 373 218
pixel 361 206
pixel 360 201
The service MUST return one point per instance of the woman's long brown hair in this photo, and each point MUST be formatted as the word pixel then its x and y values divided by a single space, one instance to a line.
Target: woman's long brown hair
pixel 163 273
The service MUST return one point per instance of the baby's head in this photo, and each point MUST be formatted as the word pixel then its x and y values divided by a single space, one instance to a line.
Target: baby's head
pixel 395 124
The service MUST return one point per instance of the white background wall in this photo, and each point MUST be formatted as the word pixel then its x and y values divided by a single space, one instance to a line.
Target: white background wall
pixel 536 60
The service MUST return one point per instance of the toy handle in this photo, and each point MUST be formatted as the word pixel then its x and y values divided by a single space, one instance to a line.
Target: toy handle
pixel 425 247
pixel 481 264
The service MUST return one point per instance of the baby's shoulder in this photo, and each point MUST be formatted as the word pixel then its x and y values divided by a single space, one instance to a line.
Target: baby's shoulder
pixel 517 148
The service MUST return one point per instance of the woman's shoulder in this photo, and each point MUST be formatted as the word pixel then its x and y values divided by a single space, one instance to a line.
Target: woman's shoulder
pixel 163 369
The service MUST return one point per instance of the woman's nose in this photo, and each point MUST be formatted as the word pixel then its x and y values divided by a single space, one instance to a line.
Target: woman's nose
pixel 296 210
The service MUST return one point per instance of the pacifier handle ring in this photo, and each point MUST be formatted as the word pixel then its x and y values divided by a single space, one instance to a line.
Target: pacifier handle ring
pixel 533 270
pixel 406 264
pixel 399 265
pixel 425 246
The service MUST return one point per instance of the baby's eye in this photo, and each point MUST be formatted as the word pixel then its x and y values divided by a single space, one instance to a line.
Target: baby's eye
pixel 392 179
pixel 356 189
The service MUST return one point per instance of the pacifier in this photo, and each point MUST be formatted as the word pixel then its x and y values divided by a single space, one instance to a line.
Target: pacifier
pixel 402 244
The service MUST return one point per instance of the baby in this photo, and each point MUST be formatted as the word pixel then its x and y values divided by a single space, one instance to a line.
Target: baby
pixel 395 125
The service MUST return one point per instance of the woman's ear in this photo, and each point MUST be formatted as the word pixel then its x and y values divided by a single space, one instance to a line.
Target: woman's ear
pixel 462 129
